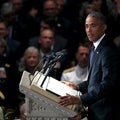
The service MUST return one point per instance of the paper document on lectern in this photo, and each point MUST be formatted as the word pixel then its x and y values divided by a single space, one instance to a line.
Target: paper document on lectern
pixel 51 88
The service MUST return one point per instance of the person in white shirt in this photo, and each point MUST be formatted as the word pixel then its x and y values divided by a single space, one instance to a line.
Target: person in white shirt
pixel 79 73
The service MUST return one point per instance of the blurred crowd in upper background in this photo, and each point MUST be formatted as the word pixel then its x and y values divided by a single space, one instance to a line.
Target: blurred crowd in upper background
pixel 20 21
pixel 48 25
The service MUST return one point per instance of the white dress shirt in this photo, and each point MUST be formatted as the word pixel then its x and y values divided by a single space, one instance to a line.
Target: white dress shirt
pixel 76 76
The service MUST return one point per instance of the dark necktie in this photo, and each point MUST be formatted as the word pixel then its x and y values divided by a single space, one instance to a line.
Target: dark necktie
pixel 91 54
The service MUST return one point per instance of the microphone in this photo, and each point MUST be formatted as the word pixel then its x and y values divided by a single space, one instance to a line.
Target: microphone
pixel 52 59
pixel 58 56
pixel 47 60
pixel 61 53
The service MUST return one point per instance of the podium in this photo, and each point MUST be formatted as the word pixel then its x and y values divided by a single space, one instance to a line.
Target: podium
pixel 42 102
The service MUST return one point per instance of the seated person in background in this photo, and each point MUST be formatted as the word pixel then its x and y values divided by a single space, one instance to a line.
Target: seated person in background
pixel 79 73
pixel 46 47
pixel 60 42
pixel 29 62
pixel 30 59
pixel 4 34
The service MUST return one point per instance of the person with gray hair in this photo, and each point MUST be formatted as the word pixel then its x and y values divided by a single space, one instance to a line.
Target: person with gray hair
pixel 29 62
pixel 7 8
pixel 30 59
pixel 100 91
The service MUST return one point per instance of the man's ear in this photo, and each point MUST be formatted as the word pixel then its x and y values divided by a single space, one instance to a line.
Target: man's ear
pixel 104 27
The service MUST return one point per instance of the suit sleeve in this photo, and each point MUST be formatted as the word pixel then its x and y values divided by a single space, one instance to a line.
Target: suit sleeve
pixel 83 87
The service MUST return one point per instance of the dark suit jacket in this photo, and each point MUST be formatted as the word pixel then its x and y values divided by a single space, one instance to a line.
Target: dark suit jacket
pixel 101 90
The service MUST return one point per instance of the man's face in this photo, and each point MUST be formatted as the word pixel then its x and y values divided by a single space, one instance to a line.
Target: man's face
pixel 46 39
pixel 118 6
pixel 50 9
pixel 17 4
pixel 60 5
pixel 32 59
pixel 94 28
pixel 97 3
pixel 3 30
pixel 82 56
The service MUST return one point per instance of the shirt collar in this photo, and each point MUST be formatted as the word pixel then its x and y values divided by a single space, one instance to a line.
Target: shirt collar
pixel 78 68
pixel 98 41
pixel 42 54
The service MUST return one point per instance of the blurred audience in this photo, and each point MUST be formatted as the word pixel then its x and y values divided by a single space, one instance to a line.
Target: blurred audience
pixel 4 33
pixel 8 80
pixel 63 26
pixel 60 42
pixel 47 47
pixel 50 11
pixel 113 21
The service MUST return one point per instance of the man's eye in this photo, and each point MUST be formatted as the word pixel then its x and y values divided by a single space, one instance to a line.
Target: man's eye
pixel 93 25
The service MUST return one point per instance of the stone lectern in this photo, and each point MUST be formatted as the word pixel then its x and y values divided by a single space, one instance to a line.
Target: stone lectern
pixel 42 97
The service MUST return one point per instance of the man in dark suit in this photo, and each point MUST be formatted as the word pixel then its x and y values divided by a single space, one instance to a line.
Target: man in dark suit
pixel 100 91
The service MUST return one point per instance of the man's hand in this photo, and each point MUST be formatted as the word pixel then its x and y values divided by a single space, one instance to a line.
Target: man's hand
pixel 69 100
pixel 70 84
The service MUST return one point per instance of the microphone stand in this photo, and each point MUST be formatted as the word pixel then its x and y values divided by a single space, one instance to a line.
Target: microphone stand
pixel 47 72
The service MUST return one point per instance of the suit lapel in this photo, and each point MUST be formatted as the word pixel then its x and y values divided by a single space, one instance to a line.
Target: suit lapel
pixel 97 53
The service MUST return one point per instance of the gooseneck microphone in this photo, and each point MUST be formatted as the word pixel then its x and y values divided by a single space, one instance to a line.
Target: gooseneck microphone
pixel 51 61
pixel 54 57
pixel 58 56
pixel 61 53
